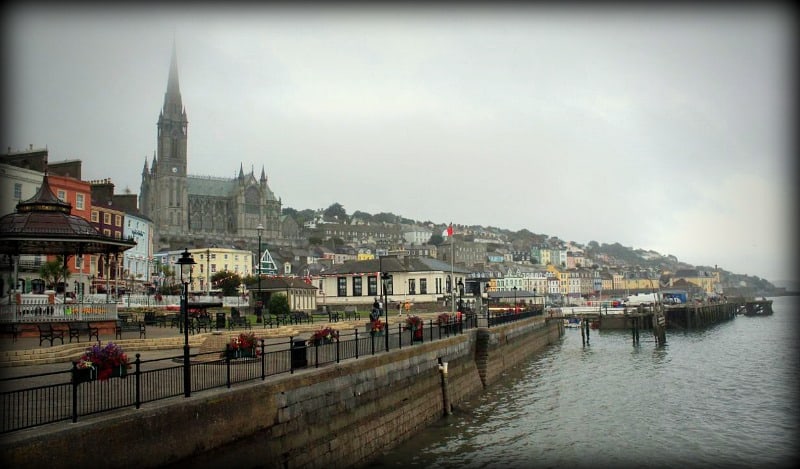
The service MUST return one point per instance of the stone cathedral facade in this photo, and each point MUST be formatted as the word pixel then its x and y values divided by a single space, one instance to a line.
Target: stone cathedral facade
pixel 199 211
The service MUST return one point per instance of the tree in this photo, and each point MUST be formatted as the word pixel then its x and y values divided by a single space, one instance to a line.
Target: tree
pixel 335 212
pixel 228 282
pixel 362 215
pixel 436 239
pixel 278 304
pixel 53 271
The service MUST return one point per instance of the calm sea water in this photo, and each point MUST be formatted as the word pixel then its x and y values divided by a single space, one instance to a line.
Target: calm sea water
pixel 722 396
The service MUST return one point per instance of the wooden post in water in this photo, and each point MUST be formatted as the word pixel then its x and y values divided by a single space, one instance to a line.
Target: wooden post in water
pixel 586 325
pixel 583 334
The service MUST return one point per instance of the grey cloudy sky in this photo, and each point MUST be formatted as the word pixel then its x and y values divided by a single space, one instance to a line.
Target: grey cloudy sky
pixel 658 128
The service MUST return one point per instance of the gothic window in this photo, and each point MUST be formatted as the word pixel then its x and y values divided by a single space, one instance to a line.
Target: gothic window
pixel 252 201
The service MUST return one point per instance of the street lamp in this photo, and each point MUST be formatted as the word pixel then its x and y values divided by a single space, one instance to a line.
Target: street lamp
pixel 515 298
pixel 260 229
pixel 208 273
pixel 534 299
pixel 385 278
pixel 487 302
pixel 186 260
pixel 460 296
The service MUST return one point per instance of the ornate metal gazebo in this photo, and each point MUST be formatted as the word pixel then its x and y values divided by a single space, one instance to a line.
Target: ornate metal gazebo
pixel 44 225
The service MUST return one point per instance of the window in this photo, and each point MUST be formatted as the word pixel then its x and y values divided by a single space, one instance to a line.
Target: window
pixel 213 267
pixel 17 190
pixel 106 218
pixel 372 285
pixel 412 286
pixel 423 286
pixel 118 220
pixel 341 286
pixel 106 232
pixel 62 195
pixel 357 286
pixel 95 216
pixel 79 201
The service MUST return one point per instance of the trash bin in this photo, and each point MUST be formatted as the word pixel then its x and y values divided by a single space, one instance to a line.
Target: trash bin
pixel 220 321
pixel 299 359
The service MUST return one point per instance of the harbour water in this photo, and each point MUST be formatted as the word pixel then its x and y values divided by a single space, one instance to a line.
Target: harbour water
pixel 722 396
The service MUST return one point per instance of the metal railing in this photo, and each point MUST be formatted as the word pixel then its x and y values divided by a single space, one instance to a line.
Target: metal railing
pixel 40 399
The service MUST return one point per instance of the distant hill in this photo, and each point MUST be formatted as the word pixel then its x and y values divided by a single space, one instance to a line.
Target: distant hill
pixel 524 239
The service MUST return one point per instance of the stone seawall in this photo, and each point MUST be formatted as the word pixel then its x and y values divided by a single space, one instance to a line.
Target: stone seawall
pixel 339 415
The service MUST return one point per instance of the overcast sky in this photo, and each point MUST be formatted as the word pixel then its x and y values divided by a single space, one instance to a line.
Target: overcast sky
pixel 662 129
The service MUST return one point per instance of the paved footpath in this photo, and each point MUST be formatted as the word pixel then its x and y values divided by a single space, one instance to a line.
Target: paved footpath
pixel 27 357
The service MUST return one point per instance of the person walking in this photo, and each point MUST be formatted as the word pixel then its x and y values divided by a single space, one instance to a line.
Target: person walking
pixel 376 310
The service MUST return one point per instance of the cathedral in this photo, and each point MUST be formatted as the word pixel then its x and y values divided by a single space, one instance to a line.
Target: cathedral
pixel 199 211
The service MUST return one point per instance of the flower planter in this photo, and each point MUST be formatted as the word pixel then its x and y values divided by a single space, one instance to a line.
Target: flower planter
pixel 241 353
pixel 83 375
pixel 318 342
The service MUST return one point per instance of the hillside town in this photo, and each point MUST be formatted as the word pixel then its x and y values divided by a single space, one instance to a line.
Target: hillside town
pixel 242 238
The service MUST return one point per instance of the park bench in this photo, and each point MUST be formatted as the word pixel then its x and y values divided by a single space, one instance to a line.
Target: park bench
pixel 350 312
pixel 201 322
pixel 237 320
pixel 48 332
pixel 298 317
pixel 82 327
pixel 11 329
pixel 130 326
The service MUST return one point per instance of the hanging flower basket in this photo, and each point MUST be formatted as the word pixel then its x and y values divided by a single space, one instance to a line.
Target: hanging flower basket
pixel 100 362
pixel 324 336
pixel 242 346
pixel 414 324
pixel 377 328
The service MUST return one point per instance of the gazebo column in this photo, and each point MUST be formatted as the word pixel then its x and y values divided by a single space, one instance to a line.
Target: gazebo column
pixel 108 274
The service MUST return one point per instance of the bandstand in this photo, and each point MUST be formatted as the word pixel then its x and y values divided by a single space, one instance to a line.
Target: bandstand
pixel 44 225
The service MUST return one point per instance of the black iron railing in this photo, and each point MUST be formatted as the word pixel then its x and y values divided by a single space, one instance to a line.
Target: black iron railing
pixel 34 400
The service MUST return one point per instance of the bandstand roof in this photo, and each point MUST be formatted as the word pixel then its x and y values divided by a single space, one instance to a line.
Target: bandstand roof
pixel 44 224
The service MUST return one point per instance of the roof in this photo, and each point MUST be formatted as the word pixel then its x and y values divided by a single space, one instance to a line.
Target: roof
pixel 280 283
pixel 44 224
pixel 393 264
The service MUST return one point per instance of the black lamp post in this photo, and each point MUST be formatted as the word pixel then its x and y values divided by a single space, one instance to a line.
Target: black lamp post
pixel 385 278
pixel 515 298
pixel 186 260
pixel 259 305
pixel 487 302
pixel 534 298
pixel 460 296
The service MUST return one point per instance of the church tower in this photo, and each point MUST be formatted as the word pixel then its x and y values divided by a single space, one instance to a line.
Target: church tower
pixel 165 193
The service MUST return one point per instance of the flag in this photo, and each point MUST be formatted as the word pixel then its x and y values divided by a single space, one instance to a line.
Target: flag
pixel 448 231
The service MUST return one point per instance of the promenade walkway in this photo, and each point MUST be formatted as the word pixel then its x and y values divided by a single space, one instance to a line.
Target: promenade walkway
pixel 26 356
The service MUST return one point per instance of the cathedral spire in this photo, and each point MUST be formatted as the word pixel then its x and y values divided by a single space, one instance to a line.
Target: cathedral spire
pixel 173 107
pixel 241 171
pixel 263 175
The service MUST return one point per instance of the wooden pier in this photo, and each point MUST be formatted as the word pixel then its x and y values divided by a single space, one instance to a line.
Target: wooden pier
pixel 662 317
